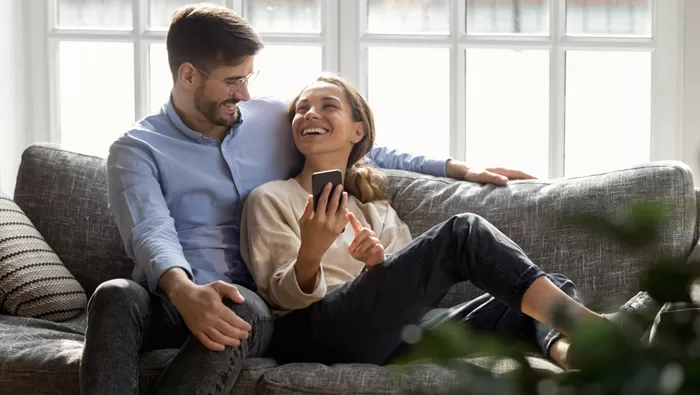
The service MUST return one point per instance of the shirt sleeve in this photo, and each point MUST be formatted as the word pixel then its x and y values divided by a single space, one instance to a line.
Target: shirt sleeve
pixel 142 215
pixel 269 246
pixel 389 158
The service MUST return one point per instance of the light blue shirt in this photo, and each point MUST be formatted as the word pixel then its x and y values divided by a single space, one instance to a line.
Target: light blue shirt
pixel 177 195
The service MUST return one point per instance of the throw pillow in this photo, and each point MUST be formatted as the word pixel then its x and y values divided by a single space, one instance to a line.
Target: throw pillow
pixel 33 280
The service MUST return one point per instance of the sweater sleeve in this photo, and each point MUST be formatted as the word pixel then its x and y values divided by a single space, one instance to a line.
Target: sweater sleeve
pixel 269 245
pixel 394 234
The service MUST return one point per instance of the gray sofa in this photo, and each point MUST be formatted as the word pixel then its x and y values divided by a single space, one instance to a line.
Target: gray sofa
pixel 65 196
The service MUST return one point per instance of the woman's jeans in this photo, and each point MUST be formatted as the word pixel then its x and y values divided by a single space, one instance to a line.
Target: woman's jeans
pixel 362 320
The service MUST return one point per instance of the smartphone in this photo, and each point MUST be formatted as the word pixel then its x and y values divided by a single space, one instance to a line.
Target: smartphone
pixel 321 178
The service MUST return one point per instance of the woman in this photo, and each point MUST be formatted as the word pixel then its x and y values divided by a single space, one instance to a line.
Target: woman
pixel 346 279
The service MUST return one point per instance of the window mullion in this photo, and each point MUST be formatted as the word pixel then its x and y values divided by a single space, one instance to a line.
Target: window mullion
pixel 330 31
pixel 351 63
pixel 557 89
pixel 666 131
pixel 458 93
pixel 236 5
pixel 140 23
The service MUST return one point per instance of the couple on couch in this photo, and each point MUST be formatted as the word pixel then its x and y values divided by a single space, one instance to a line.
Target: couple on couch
pixel 212 199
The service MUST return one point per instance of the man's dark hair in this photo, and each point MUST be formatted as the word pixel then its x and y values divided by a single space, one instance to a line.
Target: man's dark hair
pixel 208 36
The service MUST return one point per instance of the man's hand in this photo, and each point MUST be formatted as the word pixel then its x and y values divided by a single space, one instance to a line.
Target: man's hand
pixel 493 175
pixel 366 247
pixel 204 312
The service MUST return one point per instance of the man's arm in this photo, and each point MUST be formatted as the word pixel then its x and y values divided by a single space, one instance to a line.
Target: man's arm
pixel 389 158
pixel 149 234
pixel 142 215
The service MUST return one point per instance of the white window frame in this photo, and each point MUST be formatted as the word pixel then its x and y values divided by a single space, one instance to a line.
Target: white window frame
pixel 345 42
pixel 45 37
pixel 665 46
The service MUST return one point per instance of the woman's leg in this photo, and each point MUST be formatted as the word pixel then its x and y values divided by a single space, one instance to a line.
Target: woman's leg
pixel 362 320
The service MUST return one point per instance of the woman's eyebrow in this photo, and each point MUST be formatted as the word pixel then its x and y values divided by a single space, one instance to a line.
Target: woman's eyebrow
pixel 332 98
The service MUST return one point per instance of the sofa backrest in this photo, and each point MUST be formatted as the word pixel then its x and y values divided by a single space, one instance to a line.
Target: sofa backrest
pixel 533 214
pixel 65 196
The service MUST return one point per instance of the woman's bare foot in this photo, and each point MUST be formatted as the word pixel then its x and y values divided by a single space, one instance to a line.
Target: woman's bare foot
pixel 558 352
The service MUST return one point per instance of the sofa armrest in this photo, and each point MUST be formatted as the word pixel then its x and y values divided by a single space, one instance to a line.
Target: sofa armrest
pixel 533 214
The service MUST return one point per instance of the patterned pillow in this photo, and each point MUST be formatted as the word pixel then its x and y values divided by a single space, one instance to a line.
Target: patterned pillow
pixel 33 280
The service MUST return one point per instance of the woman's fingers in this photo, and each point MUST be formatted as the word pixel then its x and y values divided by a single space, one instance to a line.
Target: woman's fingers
pixel 335 201
pixel 308 210
pixel 359 239
pixel 367 244
pixel 323 199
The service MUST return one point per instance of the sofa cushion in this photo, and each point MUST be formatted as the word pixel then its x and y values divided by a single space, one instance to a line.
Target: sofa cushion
pixel 41 357
pixel 33 280
pixel 309 378
pixel 532 214
pixel 65 196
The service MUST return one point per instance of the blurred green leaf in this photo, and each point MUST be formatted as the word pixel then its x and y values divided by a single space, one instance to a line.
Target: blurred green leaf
pixel 669 281
pixel 639 229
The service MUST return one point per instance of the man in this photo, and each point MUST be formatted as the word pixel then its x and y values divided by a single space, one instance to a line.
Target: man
pixel 177 184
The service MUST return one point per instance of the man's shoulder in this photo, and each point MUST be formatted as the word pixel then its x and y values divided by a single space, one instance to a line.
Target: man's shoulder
pixel 266 105
pixel 145 132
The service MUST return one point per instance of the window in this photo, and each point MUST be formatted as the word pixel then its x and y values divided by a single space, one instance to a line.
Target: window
pixel 553 87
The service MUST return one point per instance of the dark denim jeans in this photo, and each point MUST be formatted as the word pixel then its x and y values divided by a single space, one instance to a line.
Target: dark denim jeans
pixel 124 319
pixel 361 321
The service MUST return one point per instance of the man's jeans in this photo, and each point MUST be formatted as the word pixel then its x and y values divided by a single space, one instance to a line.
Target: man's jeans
pixel 124 319
pixel 362 320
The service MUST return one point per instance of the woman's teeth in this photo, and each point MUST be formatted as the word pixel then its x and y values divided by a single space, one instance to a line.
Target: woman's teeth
pixel 314 131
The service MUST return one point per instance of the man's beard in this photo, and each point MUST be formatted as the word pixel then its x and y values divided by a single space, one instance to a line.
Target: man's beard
pixel 210 110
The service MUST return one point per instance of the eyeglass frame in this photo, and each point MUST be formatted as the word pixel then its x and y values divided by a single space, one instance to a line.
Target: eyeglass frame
pixel 238 83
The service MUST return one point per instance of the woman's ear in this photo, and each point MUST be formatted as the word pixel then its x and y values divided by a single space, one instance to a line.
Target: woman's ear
pixel 359 132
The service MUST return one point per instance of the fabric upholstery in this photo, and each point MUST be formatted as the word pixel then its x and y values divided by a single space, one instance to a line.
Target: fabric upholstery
pixel 533 213
pixel 425 378
pixel 33 280
pixel 65 195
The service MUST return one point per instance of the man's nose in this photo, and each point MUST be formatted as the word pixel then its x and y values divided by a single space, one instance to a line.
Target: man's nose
pixel 242 93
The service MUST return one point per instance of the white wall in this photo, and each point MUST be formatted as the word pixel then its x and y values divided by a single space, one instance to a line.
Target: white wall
pixel 13 116
pixel 691 89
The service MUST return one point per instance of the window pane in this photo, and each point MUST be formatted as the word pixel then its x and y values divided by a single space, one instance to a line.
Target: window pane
pixel 160 80
pixel 508 109
pixel 508 17
pixel 284 16
pixel 411 103
pixel 609 17
pixel 408 17
pixel 608 99
pixel 94 14
pixel 96 104
pixel 160 12
pixel 285 70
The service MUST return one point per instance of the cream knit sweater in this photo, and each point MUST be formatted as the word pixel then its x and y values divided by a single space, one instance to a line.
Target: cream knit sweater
pixel 270 240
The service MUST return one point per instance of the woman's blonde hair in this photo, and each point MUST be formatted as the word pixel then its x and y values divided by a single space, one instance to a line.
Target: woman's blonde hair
pixel 361 180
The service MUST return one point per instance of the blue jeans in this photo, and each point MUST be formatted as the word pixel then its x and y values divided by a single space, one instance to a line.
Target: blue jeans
pixel 124 319
pixel 361 321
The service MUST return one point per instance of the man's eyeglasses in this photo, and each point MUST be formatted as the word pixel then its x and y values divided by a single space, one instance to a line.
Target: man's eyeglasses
pixel 234 84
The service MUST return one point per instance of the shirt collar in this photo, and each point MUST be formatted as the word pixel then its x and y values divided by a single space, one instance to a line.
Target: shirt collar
pixel 171 113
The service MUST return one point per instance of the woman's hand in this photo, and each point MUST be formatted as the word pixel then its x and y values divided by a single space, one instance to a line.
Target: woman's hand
pixel 366 247
pixel 319 229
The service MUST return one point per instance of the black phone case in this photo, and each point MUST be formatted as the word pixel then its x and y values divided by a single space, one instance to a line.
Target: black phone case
pixel 320 179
